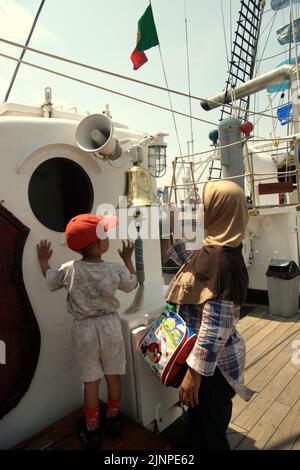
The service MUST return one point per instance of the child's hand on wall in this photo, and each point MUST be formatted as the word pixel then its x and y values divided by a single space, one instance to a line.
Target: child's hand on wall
pixel 44 250
pixel 126 253
pixel 44 253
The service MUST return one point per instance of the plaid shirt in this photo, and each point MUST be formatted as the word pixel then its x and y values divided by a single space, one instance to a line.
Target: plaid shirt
pixel 218 344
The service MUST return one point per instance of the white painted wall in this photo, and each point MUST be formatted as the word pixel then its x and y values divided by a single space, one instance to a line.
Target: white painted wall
pixel 26 142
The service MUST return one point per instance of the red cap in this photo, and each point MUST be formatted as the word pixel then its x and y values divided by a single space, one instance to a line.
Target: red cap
pixel 85 229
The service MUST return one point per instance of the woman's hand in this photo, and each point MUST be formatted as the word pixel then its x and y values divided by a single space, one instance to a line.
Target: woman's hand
pixel 189 389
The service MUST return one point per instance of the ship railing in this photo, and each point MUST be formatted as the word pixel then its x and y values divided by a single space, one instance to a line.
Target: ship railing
pixel 285 156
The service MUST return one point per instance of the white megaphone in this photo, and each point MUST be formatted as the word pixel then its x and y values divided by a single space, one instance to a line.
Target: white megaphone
pixel 94 135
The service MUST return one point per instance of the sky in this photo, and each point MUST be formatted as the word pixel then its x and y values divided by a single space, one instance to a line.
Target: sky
pixel 103 34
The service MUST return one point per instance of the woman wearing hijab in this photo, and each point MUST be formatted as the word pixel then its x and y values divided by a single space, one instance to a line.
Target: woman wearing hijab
pixel 210 288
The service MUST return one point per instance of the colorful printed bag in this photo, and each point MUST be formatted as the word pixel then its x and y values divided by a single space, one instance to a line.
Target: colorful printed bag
pixel 166 346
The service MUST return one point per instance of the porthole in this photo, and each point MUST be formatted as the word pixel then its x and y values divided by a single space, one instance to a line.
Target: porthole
pixel 58 190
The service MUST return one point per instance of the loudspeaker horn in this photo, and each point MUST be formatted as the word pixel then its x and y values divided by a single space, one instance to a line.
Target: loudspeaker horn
pixel 94 135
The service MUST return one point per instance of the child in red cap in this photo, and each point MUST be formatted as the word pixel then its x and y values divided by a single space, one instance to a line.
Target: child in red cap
pixel 91 284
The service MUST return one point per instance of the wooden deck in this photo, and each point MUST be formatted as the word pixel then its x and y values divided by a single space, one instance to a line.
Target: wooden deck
pixel 62 436
pixel 271 419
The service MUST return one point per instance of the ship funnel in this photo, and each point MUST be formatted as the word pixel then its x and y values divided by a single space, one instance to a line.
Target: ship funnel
pixel 94 135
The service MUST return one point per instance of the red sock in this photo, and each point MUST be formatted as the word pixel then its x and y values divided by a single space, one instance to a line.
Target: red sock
pixel 113 408
pixel 92 418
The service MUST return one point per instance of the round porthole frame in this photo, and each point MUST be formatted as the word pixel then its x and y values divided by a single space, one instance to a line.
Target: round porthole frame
pixel 56 216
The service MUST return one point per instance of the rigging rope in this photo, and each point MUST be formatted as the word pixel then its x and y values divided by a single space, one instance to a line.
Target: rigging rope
pixel 258 62
pixel 231 37
pixel 253 140
pixel 267 25
pixel 94 85
pixel 268 37
pixel 124 77
pixel 189 76
pixel 273 56
pixel 267 11
pixel 292 24
pixel 170 101
pixel 267 109
pixel 224 32
pixel 23 51
pixel 169 95
pixel 139 100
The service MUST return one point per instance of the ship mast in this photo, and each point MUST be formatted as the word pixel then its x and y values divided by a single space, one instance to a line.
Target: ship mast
pixel 241 65
pixel 243 55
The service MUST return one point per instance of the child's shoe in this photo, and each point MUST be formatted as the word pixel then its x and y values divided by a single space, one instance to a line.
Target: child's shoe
pixel 93 439
pixel 113 425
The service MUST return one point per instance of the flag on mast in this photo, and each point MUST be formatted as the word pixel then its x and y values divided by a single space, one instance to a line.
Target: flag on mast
pixel 280 4
pixel 146 38
pixel 285 35
pixel 285 114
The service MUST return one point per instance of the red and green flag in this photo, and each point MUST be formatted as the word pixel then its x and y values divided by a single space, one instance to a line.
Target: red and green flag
pixel 146 38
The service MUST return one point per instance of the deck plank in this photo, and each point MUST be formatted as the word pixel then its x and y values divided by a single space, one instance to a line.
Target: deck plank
pixel 256 327
pixel 251 319
pixel 264 429
pixel 287 434
pixel 283 370
pixel 267 328
pixel 267 350
pixel 291 392
pixel 263 370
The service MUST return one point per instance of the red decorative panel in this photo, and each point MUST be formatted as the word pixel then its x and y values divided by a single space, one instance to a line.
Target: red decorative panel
pixel 19 331
pixel 275 188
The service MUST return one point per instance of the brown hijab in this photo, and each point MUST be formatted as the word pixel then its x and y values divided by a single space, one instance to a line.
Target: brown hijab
pixel 226 214
pixel 218 269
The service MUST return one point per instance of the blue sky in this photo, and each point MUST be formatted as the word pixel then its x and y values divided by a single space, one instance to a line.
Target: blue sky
pixel 103 33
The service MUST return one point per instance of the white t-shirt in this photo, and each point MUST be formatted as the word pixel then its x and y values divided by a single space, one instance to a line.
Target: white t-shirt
pixel 91 287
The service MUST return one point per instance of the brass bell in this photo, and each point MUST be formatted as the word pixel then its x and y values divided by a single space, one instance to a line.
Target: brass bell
pixel 138 188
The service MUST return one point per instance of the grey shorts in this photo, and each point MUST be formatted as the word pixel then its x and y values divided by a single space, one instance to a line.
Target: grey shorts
pixel 99 347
